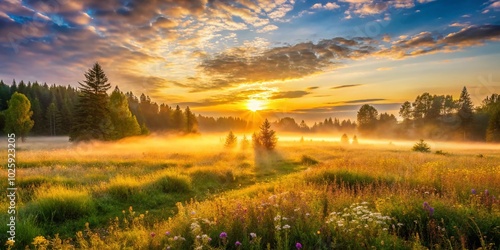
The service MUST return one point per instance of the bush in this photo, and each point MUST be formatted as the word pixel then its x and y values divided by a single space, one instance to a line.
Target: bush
pixel 173 184
pixel 231 140
pixel 123 187
pixel 58 204
pixel 307 160
pixel 344 139
pixel 421 146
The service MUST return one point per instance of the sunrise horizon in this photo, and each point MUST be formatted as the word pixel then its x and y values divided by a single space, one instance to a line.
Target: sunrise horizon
pixel 300 59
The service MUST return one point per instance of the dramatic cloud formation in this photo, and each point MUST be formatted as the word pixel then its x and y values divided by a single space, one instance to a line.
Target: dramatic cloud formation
pixel 219 52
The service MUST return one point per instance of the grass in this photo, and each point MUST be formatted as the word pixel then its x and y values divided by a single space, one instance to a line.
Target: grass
pixel 319 194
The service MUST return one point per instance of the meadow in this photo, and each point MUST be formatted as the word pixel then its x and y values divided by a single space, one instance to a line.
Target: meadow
pixel 192 193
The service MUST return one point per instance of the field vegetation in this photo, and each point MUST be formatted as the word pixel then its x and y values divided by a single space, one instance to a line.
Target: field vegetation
pixel 196 193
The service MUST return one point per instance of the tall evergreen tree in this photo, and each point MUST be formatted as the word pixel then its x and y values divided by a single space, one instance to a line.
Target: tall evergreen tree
pixel 178 119
pixel 465 112
pixel 124 123
pixel 18 116
pixel 53 119
pixel 191 123
pixel 267 136
pixel 92 120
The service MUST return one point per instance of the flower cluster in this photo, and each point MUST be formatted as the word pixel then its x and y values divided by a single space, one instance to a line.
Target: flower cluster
pixel 429 209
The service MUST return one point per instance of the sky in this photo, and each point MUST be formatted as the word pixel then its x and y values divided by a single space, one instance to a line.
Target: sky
pixel 305 59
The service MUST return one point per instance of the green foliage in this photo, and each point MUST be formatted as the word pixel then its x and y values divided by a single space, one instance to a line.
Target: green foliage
pixel 367 119
pixel 266 138
pixel 493 130
pixel 124 123
pixel 308 160
pixel 191 123
pixel 18 116
pixel 173 184
pixel 57 204
pixel 92 115
pixel 231 140
pixel 421 146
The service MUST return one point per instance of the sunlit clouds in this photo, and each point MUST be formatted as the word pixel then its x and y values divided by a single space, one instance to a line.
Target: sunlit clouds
pixel 223 55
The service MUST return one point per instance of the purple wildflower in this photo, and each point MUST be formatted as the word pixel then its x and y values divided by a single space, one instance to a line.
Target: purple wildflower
pixel 486 192
pixel 431 211
pixel 167 233
pixel 298 245
pixel 223 235
pixel 426 205
pixel 473 191
pixel 152 234
pixel 237 243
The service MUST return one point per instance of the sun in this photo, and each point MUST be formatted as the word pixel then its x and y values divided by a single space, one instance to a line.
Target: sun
pixel 254 105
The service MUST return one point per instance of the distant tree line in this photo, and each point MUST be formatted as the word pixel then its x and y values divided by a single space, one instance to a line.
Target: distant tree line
pixel 88 112
pixel 436 117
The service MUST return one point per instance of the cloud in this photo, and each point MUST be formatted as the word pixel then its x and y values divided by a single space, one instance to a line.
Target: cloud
pixel 359 101
pixel 327 6
pixel 495 5
pixel 345 86
pixel 312 87
pixel 280 63
pixel 426 42
pixel 457 24
pixel 267 29
pixel 289 94
pixel 384 69
pixel 348 108
pixel 222 99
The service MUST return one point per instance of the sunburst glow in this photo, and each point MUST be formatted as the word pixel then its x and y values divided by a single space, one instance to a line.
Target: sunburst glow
pixel 255 105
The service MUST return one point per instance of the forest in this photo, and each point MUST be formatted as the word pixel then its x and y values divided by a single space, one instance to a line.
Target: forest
pixel 61 110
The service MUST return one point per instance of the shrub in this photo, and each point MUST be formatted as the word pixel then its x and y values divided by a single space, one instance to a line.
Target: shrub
pixel 344 139
pixel 421 146
pixel 307 160
pixel 58 204
pixel 173 184
pixel 123 187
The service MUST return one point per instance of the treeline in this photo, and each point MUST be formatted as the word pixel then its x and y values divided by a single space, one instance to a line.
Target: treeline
pixel 55 111
pixel 436 117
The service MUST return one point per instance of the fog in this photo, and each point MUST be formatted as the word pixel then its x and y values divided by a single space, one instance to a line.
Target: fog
pixel 214 142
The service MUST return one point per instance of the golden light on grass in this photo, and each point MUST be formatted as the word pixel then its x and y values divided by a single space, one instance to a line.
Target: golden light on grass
pixel 255 105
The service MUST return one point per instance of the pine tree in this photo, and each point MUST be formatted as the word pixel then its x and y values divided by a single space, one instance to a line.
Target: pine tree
pixel 92 120
pixel 245 143
pixel 465 112
pixel 124 123
pixel 191 122
pixel 231 140
pixel 18 116
pixel 178 119
pixel 52 116
pixel 267 136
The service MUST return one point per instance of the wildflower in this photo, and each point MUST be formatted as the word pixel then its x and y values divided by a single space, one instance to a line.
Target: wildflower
pixel 237 244
pixel 426 205
pixel 431 211
pixel 167 233
pixel 286 226
pixel 486 192
pixel 153 234
pixel 473 191
pixel 298 245
pixel 223 235
pixel 176 238
pixel 198 237
pixel 253 235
